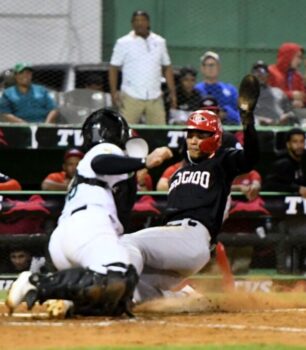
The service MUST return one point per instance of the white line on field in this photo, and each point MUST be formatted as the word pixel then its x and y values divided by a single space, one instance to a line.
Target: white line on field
pixel 152 323
pixel 2 303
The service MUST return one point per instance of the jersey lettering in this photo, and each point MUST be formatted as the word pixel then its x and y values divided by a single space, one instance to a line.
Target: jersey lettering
pixel 187 177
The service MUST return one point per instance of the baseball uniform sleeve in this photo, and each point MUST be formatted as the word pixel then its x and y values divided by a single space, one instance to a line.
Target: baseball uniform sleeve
pixel 112 164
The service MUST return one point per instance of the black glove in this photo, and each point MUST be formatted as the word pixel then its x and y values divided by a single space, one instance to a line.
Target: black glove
pixel 249 91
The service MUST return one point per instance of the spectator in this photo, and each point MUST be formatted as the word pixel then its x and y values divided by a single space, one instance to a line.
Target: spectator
pixel 249 184
pixel 226 94
pixel 59 181
pixel 27 102
pixel 273 106
pixel 21 259
pixel 142 55
pixel 94 82
pixel 8 184
pixel 284 74
pixel 188 98
pixel 288 174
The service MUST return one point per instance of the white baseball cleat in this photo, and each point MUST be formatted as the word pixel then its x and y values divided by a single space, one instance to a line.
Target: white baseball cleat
pixel 190 292
pixel 19 290
pixel 58 308
pixel 186 291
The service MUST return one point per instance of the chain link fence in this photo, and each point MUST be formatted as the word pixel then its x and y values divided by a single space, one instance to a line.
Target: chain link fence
pixel 69 42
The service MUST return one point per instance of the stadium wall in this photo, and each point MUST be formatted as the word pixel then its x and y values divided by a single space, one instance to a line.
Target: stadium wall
pixel 241 31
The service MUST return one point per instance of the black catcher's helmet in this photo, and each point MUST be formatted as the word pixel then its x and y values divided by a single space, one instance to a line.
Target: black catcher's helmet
pixel 105 125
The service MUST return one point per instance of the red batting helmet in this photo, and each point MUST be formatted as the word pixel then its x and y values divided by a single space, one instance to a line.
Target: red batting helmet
pixel 208 121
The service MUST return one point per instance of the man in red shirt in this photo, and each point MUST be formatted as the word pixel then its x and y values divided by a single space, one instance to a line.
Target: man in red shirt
pixel 59 181
pixel 284 73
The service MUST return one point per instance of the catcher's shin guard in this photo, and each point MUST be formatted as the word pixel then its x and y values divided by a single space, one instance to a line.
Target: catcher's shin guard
pixel 92 293
pixel 125 303
pixel 117 297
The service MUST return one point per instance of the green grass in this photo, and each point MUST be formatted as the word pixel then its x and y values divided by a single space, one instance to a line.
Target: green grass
pixel 3 294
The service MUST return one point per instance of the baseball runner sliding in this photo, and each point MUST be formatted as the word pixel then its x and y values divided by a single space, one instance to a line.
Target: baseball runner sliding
pixel 198 192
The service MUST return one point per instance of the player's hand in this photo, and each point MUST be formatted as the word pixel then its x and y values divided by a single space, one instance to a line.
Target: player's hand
pixel 158 156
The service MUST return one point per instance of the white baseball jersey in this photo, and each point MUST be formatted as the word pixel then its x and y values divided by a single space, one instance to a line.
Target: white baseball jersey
pixel 88 229
pixel 85 194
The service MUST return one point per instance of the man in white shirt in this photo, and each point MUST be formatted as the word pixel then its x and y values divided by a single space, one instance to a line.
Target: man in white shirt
pixel 143 57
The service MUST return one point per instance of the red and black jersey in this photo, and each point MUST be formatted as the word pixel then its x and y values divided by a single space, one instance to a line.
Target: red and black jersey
pixel 199 190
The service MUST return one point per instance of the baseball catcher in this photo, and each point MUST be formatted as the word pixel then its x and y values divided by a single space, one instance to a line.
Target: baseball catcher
pixel 164 256
pixel 95 271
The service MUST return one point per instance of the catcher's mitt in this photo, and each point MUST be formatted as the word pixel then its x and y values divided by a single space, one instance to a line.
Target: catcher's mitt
pixel 249 91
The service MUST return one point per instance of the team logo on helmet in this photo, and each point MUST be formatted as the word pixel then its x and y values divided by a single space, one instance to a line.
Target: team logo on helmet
pixel 198 118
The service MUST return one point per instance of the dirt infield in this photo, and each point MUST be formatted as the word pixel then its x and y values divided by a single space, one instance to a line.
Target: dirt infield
pixel 238 318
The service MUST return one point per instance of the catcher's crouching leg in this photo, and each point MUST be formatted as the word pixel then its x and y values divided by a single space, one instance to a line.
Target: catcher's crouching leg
pixel 92 293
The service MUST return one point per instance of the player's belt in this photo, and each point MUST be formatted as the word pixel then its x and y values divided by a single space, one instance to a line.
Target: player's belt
pixel 182 222
pixel 190 222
